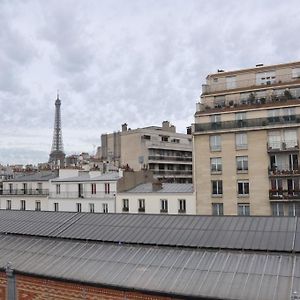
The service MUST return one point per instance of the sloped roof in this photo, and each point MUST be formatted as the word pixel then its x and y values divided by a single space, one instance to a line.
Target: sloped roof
pixel 166 188
pixel 87 177
pixel 36 176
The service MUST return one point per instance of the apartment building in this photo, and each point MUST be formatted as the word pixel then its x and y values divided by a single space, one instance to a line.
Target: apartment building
pixel 27 192
pixel 157 198
pixel 246 142
pixel 83 191
pixel 160 149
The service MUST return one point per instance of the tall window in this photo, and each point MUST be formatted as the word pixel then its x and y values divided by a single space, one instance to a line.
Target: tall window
pixel 107 188
pixel 216 164
pixel 93 187
pixel 274 139
pixel 78 207
pixel 56 208
pixel 215 142
pixel 242 163
pixel 40 187
pixel 217 187
pixel 294 209
pixel 25 188
pixel 241 141
pixel 277 209
pixel 273 115
pixel 10 188
pixel 290 138
pixel 163 205
pixel 215 121
pixel 80 190
pixel 22 205
pixel 37 205
pixel 181 206
pixel 243 187
pixel 217 209
pixel 105 208
pixel 58 189
pixel 289 114
pixel 243 209
pixel 125 205
pixel 8 204
pixel 141 203
pixel 92 207
pixel 240 118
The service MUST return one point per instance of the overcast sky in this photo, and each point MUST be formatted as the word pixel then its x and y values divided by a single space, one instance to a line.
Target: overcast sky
pixel 134 61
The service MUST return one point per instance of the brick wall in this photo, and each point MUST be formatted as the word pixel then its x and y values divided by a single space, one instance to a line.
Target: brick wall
pixel 33 288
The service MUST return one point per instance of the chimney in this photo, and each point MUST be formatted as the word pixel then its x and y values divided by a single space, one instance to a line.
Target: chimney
pixel 124 127
pixel 156 186
pixel 189 130
pixel 259 65
pixel 165 125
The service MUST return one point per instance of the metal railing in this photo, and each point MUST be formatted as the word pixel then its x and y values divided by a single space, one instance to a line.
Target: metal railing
pixel 283 146
pixel 284 194
pixel 83 195
pixel 169 158
pixel 170 172
pixel 25 192
pixel 257 122
pixel 284 170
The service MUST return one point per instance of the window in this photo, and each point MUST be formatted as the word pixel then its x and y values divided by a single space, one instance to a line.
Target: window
pixel 290 138
pixel 241 141
pixel 296 73
pixel 216 165
pixel 107 188
pixel 78 207
pixel 277 209
pixel 240 118
pixel 105 208
pixel 40 188
pixel 23 205
pixel 58 189
pixel 8 204
pixel 141 203
pixel 80 190
pixel 217 187
pixel 274 140
pixel 215 142
pixel 243 187
pixel 125 205
pixel 24 188
pixel 92 207
pixel 242 163
pixel 93 188
pixel 38 205
pixel 182 206
pixel 56 208
pixel 265 78
pixel 215 121
pixel 289 114
pixel 294 209
pixel 164 138
pixel 231 82
pixel 10 188
pixel 217 209
pixel 163 205
pixel 243 209
pixel 219 101
pixel 273 115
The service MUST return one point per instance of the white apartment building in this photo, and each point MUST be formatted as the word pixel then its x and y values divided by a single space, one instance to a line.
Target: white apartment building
pixel 27 192
pixel 157 198
pixel 83 191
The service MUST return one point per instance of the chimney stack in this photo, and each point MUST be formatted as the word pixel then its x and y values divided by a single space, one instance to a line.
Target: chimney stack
pixel 124 127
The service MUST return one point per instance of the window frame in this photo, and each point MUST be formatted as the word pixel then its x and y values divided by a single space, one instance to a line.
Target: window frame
pixel 217 209
pixel 218 187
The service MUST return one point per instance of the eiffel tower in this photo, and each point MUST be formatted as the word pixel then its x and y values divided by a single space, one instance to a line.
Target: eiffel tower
pixel 57 155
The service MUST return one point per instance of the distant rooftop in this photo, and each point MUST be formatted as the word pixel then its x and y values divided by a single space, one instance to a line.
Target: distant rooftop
pixel 166 188
pixel 36 176
pixel 87 177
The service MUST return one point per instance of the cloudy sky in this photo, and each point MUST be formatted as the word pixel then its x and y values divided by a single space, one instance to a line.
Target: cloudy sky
pixel 116 61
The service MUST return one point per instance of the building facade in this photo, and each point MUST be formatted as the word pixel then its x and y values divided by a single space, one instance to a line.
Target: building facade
pixel 27 192
pixel 83 191
pixel 160 149
pixel 157 198
pixel 246 142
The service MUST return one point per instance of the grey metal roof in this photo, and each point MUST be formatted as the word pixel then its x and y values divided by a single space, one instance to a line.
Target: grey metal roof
pixel 37 176
pixel 166 188
pixel 86 177
pixel 226 232
pixel 197 273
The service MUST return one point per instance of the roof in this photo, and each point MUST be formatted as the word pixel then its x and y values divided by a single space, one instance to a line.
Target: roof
pixel 37 176
pixel 166 188
pixel 280 234
pixel 206 257
pixel 179 272
pixel 87 177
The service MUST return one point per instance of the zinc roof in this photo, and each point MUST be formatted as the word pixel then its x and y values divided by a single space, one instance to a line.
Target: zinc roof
pixel 166 188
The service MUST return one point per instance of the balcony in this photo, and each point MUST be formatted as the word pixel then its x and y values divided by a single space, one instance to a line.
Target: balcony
pixel 238 124
pixel 286 146
pixel 141 209
pixel 170 158
pixel 283 172
pixel 26 192
pixel 280 195
pixel 172 172
pixel 83 195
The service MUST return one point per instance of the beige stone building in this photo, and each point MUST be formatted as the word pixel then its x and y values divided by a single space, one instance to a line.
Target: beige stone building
pixel 246 142
pixel 160 149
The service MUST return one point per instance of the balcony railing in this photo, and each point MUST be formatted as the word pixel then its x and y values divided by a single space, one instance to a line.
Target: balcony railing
pixel 25 192
pixel 83 195
pixel 257 122
pixel 284 194
pixel 290 145
pixel 170 172
pixel 284 171
pixel 170 158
